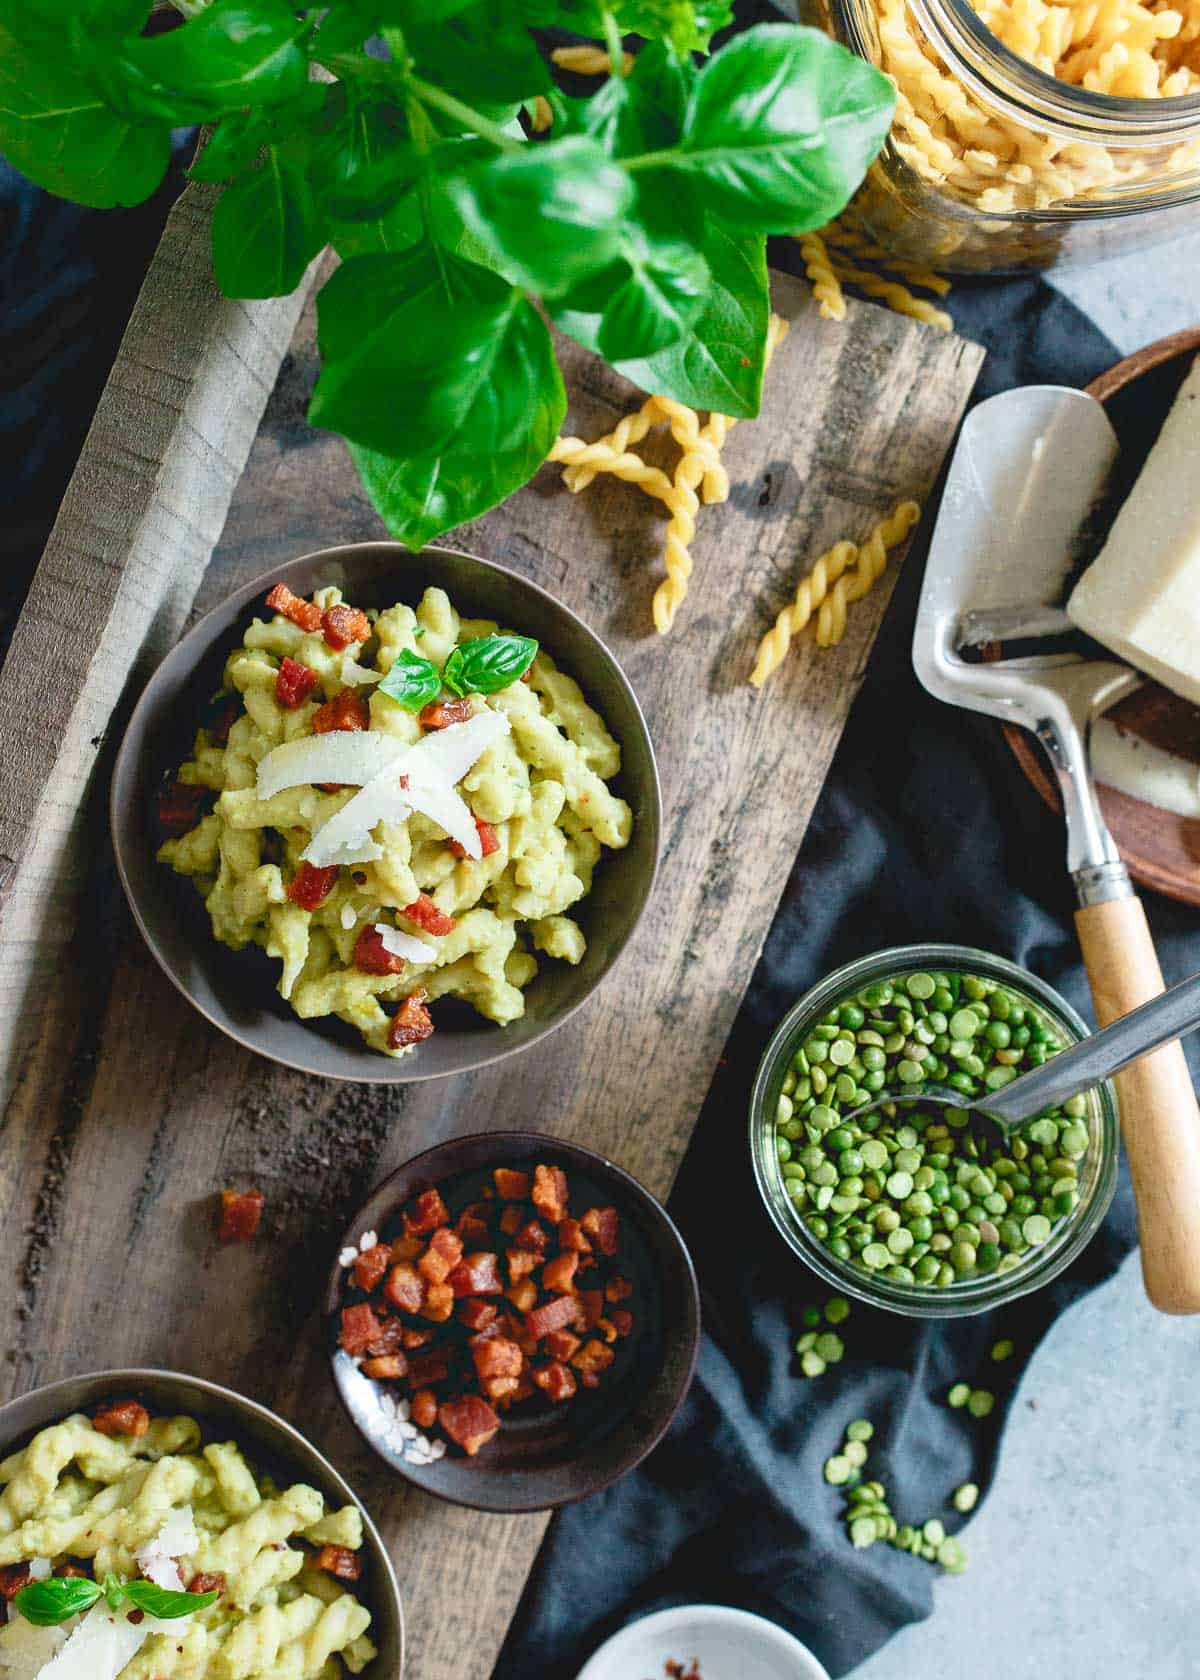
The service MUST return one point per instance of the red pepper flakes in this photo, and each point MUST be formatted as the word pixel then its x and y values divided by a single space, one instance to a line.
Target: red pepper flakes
pixel 293 684
pixel 241 1211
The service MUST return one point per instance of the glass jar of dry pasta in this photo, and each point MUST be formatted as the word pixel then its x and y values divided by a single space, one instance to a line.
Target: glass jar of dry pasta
pixel 1029 133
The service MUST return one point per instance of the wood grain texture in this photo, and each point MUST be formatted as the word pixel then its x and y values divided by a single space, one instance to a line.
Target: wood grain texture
pixel 161 1113
pixel 135 531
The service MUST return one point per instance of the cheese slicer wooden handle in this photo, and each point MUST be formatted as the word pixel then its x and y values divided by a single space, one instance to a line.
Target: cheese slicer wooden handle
pixel 1160 1119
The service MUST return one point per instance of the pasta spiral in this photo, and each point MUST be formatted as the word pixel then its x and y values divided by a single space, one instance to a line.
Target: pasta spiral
pixel 622 464
pixel 810 592
pixel 588 60
pixel 827 288
pixel 872 559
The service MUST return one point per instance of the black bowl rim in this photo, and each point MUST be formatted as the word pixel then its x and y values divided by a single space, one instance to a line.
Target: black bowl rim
pixel 144 1376
pixel 525 1143
pixel 406 1070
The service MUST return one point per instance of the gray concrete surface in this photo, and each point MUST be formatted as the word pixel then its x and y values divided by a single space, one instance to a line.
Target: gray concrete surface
pixel 1083 1561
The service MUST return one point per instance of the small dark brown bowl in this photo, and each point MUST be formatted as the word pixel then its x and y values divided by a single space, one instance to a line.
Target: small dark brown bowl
pixel 235 990
pixel 273 1444
pixel 545 1455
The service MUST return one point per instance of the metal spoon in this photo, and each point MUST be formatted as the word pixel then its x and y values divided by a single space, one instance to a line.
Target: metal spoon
pixel 1093 1060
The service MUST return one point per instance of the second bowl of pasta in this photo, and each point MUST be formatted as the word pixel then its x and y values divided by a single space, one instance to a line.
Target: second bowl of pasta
pixel 387 816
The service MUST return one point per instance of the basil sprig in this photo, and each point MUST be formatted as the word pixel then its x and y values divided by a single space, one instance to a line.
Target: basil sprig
pixel 486 664
pixel 412 681
pixel 637 223
pixel 47 1603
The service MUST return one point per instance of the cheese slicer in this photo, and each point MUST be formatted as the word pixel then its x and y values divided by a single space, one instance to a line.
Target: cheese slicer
pixel 1018 512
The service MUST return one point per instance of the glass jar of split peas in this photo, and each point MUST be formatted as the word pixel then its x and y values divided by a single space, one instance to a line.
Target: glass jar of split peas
pixel 913 1206
pixel 1028 132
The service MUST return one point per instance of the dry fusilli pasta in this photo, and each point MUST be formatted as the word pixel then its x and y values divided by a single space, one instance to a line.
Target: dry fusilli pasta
pixel 827 288
pixel 853 585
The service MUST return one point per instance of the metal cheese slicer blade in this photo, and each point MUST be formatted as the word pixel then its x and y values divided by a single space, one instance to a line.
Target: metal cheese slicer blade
pixel 1021 496
pixel 1030 468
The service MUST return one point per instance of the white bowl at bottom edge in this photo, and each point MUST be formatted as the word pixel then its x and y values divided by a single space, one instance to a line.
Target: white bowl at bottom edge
pixel 726 1644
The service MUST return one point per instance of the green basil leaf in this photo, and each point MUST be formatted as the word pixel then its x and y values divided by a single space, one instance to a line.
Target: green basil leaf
pixel 397 229
pixel 689 25
pixel 718 363
pixel 501 443
pixel 55 127
pixel 662 83
pixel 410 343
pixel 362 160
pixel 781 127
pixel 412 681
pixel 483 53
pixel 163 1603
pixel 552 213
pixel 46 1603
pixel 265 231
pixel 232 54
pixel 486 664
pixel 237 141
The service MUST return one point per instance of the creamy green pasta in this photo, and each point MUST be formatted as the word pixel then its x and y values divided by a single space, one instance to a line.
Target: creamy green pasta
pixel 462 925
pixel 188 1516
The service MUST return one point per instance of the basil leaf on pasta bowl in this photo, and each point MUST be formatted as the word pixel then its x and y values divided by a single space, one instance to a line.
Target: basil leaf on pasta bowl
pixel 47 1603
pixel 163 1603
pixel 412 681
pixel 486 664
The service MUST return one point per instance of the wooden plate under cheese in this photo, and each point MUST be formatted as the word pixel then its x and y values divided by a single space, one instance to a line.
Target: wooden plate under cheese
pixel 1161 849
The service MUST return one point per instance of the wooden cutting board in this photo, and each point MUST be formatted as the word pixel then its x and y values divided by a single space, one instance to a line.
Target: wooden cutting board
pixel 125 1112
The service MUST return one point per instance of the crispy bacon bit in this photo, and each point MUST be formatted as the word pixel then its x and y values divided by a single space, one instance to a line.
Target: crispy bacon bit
pixel 309 887
pixel 604 1228
pixel 550 1193
pixel 498 1356
pixel 370 1266
pixel 606 1329
pixel 469 1421
pixel 621 1321
pixel 207 1581
pixel 440 714
pixel 618 1289
pixel 389 1340
pixel 424 1408
pixel 407 1248
pixel 412 1022
pixel 425 913
pixel 385 1367
pixel 405 1288
pixel 556 1380
pixel 343 625
pixel 443 1254
pixel 13 1577
pixel 339 1561
pixel 240 1213
pixel 511 1219
pixel 371 955
pixel 305 614
pixel 428 1369
pixel 522 1263
pixel 472 1229
pixel 511 1186
pixel 593 1357
pixel 477 1314
pixel 523 1294
pixel 477 1274
pixel 571 1237
pixel 428 1211
pixel 439 1303
pixel 180 805
pixel 532 1236
pixel 417 1339
pixel 560 1344
pixel 122 1417
pixel 592 1301
pixel 489 840
pixel 293 684
pixel 559 1314
pixel 558 1275
pixel 346 711
pixel 360 1328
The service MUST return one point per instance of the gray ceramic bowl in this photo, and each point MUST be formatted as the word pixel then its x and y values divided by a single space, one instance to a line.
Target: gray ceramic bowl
pixel 544 1455
pixel 236 990
pixel 274 1445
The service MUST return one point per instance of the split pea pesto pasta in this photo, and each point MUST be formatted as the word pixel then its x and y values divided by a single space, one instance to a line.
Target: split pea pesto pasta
pixel 398 806
pixel 162 1518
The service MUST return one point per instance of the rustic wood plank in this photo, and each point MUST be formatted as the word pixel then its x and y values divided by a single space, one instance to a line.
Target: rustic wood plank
pixel 135 531
pixel 124 1156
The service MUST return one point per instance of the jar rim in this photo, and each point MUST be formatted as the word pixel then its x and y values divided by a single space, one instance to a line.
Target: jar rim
pixel 1034 98
pixel 920 1301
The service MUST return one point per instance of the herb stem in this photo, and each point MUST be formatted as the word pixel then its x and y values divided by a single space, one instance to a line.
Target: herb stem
pixel 474 120
pixel 393 36
pixel 612 38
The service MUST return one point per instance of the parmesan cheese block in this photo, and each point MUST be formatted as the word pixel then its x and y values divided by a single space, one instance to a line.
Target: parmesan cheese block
pixel 1141 595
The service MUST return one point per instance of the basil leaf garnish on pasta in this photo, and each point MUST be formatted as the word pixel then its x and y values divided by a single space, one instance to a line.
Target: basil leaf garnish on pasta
pixel 412 681
pixel 46 1603
pixel 486 664
pixel 163 1603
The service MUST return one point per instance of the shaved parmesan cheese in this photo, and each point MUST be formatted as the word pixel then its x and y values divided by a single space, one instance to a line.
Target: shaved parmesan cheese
pixel 346 837
pixel 443 806
pixel 177 1538
pixel 40 1569
pixel 349 917
pixel 102 1644
pixel 353 757
pixel 26 1650
pixel 403 944
pixel 445 755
